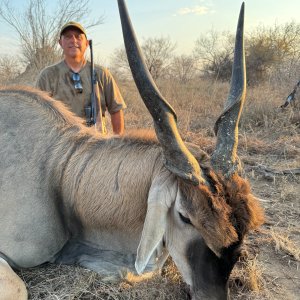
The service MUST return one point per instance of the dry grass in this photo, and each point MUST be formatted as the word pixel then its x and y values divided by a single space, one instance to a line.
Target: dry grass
pixel 247 280
pixel 69 282
pixel 283 244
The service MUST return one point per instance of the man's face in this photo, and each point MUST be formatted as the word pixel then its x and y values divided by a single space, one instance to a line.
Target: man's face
pixel 73 43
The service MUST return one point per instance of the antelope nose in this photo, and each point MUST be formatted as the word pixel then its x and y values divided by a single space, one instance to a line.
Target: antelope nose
pixel 188 291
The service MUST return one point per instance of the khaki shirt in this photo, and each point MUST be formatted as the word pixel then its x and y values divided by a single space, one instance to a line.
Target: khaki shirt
pixel 57 80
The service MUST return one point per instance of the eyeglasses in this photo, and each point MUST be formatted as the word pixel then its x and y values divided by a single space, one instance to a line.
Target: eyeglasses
pixel 78 36
pixel 77 82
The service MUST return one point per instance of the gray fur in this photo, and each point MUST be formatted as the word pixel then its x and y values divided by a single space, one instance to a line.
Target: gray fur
pixel 59 180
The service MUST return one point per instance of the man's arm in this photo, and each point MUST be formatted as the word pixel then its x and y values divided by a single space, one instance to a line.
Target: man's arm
pixel 114 101
pixel 117 122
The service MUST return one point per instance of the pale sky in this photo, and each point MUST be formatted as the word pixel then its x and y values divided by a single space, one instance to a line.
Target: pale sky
pixel 181 20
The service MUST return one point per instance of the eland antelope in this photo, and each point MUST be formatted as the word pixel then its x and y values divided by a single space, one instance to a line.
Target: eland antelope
pixel 121 204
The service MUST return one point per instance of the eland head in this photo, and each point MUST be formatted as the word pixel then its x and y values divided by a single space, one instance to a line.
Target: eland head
pixel 213 207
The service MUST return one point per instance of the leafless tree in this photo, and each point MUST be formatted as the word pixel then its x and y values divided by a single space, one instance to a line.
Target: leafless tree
pixel 214 53
pixel 158 53
pixel 282 51
pixel 38 27
pixel 270 52
pixel 119 63
pixel 184 67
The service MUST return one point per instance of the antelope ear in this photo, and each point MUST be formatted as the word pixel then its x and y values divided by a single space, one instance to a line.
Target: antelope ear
pixel 153 232
pixel 161 195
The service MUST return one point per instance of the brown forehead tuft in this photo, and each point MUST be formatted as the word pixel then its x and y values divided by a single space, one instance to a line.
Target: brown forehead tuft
pixel 225 213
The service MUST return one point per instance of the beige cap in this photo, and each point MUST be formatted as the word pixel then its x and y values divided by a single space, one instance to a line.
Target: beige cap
pixel 72 24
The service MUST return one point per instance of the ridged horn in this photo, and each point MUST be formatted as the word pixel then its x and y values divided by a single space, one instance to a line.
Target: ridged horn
pixel 224 157
pixel 178 158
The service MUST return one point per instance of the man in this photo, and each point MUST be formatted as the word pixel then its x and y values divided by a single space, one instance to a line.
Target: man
pixel 70 79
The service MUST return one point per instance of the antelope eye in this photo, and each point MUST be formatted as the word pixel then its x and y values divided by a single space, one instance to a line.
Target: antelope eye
pixel 185 219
